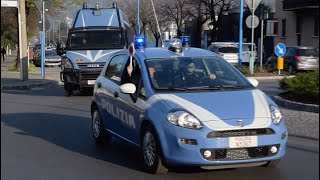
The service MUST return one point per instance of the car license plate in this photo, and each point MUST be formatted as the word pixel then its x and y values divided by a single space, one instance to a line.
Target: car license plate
pixel 91 82
pixel 243 141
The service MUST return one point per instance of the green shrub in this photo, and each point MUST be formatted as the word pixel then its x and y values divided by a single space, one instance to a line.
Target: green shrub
pixel 13 68
pixel 305 84
pixel 32 67
pixel 245 70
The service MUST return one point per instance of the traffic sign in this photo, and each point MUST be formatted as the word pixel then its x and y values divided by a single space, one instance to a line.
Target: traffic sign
pixel 255 21
pixel 280 50
pixel 253 4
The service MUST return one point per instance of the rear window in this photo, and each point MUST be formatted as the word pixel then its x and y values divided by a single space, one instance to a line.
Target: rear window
pixel 307 52
pixel 228 50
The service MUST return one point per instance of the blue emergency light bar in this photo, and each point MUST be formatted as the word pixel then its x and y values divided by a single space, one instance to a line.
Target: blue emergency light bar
pixel 140 42
pixel 186 41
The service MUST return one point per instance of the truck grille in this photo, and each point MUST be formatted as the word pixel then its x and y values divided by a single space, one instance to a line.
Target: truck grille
pixel 90 71
pixel 97 65
pixel 244 132
pixel 240 153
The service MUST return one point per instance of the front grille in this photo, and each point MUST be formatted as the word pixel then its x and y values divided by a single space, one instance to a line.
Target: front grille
pixel 240 153
pixel 89 75
pixel 244 132
pixel 85 65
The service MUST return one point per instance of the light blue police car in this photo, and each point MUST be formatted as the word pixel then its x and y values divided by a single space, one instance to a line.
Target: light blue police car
pixel 186 107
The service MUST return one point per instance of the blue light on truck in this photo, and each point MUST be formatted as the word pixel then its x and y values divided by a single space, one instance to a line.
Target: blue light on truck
pixel 140 42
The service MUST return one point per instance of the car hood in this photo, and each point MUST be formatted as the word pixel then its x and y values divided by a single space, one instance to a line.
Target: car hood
pixel 223 109
pixel 91 55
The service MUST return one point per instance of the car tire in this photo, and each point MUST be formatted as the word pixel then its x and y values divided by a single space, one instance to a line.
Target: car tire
pixel 273 163
pixel 270 67
pixel 291 70
pixel 98 129
pixel 151 152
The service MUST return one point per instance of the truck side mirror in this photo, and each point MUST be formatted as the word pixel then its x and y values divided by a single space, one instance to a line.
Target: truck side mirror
pixel 60 49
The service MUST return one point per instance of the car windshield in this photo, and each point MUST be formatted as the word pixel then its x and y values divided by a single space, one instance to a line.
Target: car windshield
pixel 194 73
pixel 91 40
pixel 228 49
pixel 51 53
pixel 308 52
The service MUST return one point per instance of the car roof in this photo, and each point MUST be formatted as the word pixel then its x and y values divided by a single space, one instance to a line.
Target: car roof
pixel 155 53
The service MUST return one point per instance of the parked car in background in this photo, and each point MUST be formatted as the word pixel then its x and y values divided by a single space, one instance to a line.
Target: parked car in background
pixel 227 50
pixel 246 52
pixel 51 58
pixel 296 59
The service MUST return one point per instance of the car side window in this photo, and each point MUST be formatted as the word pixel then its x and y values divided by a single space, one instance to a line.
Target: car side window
pixel 115 68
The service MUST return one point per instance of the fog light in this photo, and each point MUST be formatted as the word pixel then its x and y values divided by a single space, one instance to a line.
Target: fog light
pixel 207 153
pixel 273 149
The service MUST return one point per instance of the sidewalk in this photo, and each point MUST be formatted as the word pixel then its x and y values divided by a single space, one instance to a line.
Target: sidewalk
pixel 12 80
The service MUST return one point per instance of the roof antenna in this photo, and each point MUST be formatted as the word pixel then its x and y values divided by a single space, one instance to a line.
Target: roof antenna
pixel 155 15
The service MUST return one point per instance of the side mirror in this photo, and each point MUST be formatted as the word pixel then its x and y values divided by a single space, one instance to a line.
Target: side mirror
pixel 60 51
pixel 253 81
pixel 128 88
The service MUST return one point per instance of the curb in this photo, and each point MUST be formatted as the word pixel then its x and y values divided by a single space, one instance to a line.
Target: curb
pixel 29 86
pixel 296 105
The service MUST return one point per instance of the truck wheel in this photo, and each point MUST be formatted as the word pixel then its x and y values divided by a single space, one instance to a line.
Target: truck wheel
pixel 151 152
pixel 68 90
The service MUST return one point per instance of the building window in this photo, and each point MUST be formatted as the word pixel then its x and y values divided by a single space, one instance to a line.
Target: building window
pixel 298 25
pixel 299 39
pixel 316 25
pixel 284 24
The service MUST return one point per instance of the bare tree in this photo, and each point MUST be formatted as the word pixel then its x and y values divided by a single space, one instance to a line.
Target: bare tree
pixel 147 17
pixel 214 10
pixel 176 11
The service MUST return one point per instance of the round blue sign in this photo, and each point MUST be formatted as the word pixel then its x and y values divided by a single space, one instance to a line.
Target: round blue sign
pixel 280 50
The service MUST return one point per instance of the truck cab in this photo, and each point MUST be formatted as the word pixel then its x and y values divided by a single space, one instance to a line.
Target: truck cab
pixel 95 34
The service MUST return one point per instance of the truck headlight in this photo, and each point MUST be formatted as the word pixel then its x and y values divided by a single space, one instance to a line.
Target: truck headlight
pixel 66 63
pixel 275 114
pixel 184 119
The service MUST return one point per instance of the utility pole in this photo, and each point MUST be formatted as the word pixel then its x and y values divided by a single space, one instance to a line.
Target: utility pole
pixel 43 40
pixel 23 41
pixel 138 18
pixel 240 34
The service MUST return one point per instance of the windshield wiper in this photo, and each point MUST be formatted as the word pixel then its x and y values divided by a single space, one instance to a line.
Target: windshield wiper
pixel 215 87
pixel 205 88
pixel 171 89
pixel 232 87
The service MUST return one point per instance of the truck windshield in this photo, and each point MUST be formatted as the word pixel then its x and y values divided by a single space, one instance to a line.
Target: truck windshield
pixel 92 40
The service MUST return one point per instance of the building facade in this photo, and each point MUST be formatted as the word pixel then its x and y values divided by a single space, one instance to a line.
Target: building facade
pixel 298 22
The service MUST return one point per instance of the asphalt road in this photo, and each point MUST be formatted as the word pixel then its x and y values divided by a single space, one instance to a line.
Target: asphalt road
pixel 45 135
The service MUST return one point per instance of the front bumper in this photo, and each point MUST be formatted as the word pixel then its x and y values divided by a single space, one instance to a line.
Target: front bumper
pixel 82 77
pixel 177 152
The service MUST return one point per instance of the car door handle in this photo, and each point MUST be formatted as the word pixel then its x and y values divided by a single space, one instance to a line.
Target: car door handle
pixel 99 84
pixel 116 94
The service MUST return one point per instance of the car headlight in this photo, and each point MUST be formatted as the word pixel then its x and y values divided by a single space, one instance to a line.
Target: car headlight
pixel 275 114
pixel 66 63
pixel 184 119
